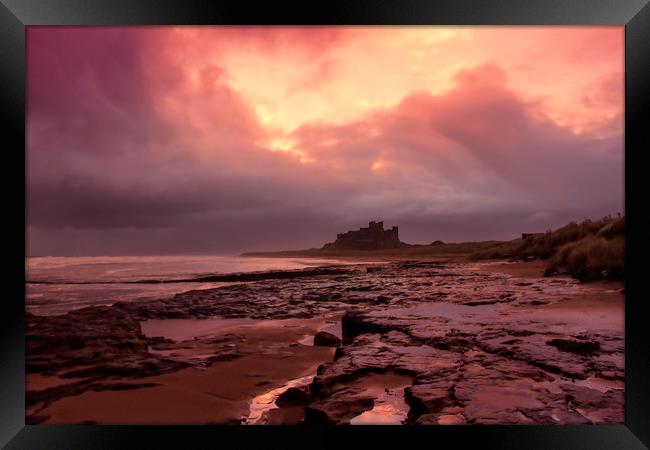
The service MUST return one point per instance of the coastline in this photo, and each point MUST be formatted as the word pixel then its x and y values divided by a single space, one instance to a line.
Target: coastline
pixel 214 377
pixel 449 251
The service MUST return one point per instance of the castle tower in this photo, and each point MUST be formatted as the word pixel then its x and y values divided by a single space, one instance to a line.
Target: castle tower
pixel 372 238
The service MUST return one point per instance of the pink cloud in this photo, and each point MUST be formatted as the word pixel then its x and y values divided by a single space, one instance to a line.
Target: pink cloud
pixel 136 136
pixel 478 135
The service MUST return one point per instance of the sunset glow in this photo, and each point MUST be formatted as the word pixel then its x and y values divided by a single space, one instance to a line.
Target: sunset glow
pixel 144 135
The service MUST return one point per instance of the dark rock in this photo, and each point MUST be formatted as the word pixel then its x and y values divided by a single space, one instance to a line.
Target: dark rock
pixel 536 302
pixel 339 407
pixel 325 339
pixel 575 346
pixel 293 397
pixel 427 398
pixel 551 271
pixel 353 324
pixel 99 341
pixel 315 416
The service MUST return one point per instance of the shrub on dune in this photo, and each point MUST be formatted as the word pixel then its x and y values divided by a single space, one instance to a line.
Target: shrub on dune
pixel 590 249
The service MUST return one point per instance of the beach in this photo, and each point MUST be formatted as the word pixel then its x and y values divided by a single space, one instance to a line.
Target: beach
pixel 326 225
pixel 421 342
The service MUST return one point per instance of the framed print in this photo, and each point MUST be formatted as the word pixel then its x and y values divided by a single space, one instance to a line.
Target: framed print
pixel 297 226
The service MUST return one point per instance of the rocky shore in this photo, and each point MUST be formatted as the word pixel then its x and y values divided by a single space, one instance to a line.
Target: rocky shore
pixel 476 343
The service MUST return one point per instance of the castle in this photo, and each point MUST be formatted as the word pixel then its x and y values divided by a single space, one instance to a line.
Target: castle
pixel 374 237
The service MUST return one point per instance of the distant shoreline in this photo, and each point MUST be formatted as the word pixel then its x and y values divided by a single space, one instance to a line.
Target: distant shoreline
pixel 589 250
pixel 447 251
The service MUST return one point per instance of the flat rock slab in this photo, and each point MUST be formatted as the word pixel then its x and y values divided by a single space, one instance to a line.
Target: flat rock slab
pixel 480 346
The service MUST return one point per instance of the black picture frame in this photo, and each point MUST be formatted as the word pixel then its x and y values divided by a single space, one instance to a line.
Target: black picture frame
pixel 15 15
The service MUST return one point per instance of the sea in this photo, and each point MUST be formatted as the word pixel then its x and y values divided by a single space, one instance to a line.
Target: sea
pixel 57 284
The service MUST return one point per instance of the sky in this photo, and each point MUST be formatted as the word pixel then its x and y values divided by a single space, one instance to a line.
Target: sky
pixel 173 140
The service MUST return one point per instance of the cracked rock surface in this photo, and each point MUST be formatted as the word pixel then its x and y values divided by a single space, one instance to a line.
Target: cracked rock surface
pixel 479 346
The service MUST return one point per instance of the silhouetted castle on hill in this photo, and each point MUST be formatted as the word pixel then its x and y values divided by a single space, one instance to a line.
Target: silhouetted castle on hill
pixel 374 237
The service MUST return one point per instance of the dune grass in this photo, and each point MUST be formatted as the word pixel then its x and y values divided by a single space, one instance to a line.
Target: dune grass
pixel 591 249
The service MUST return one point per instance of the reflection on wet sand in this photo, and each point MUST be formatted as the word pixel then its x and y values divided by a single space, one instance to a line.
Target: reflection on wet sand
pixel 389 406
pixel 264 403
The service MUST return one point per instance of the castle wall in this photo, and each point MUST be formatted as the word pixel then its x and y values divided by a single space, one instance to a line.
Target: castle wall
pixel 372 237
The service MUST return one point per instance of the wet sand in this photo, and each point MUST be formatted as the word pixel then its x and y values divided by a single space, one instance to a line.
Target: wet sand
pixel 597 303
pixel 220 393
pixel 520 269
pixel 389 407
